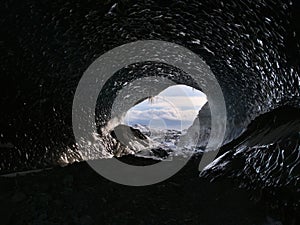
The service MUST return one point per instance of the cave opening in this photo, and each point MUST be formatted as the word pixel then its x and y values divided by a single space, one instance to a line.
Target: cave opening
pixel 174 108
pixel 158 122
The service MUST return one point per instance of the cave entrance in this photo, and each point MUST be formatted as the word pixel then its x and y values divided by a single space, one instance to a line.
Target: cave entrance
pixel 165 117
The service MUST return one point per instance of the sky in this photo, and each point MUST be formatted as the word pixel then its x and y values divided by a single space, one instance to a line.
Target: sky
pixel 174 108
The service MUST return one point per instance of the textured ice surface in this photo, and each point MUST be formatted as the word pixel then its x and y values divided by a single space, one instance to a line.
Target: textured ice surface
pixel 252 47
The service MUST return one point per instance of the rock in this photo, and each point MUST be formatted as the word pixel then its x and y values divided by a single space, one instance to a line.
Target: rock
pixel 128 137
pixel 200 129
pixel 18 197
pixel 160 152
pixel 86 220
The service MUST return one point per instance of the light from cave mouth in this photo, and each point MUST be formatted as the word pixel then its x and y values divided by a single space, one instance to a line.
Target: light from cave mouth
pixel 175 108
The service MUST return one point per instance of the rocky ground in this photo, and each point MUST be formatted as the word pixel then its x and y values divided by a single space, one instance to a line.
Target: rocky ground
pixel 76 195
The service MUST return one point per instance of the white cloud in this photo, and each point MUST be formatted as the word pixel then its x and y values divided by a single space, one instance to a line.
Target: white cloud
pixel 162 112
pixel 181 90
pixel 153 114
pixel 182 102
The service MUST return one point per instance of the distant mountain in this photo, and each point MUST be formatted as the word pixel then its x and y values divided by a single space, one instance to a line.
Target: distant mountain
pixel 166 124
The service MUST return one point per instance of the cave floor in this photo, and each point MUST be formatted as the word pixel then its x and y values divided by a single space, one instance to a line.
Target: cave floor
pixel 78 195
